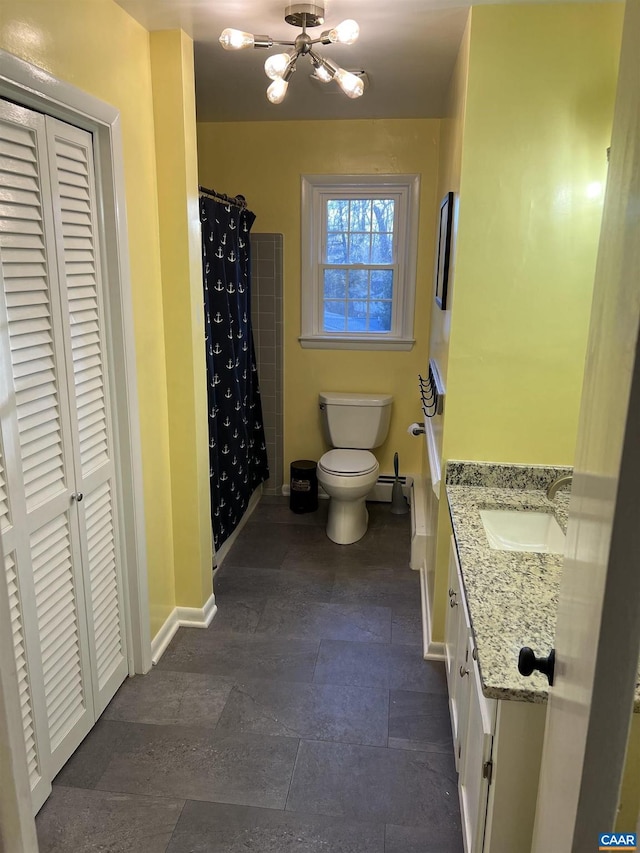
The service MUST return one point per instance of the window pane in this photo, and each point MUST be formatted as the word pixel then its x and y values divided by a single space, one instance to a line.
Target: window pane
pixel 338 214
pixel 334 315
pixel 382 284
pixel 383 214
pixel 357 316
pixel 380 316
pixel 382 249
pixel 360 215
pixel 335 284
pixel 337 248
pixel 359 249
pixel 358 284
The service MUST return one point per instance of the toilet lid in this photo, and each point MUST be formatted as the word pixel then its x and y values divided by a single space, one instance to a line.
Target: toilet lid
pixel 349 462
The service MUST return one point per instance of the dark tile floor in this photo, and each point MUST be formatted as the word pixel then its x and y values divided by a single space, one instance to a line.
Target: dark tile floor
pixel 304 719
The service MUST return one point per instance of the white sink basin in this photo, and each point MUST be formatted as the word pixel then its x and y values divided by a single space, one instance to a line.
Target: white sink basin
pixel 522 530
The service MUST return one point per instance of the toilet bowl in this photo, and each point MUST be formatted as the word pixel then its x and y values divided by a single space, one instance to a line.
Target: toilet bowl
pixel 354 423
pixel 347 476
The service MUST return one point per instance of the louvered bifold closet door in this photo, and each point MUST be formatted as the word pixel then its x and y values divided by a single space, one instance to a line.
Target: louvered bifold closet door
pixel 42 550
pixel 71 167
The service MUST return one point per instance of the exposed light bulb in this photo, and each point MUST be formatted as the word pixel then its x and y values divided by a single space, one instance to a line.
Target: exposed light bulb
pixel 231 39
pixel 323 73
pixel 276 65
pixel 277 90
pixel 345 33
pixel 351 84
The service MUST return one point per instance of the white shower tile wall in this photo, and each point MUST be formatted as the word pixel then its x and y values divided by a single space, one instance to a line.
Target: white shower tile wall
pixel 266 318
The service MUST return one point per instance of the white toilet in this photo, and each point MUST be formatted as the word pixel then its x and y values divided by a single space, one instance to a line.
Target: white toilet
pixel 355 423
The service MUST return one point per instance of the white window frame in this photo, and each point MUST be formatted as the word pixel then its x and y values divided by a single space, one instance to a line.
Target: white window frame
pixel 316 189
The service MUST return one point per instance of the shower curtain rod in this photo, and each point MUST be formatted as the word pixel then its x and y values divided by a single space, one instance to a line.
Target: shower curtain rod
pixel 237 200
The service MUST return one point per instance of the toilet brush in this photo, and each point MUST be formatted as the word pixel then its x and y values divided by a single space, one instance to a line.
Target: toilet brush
pixel 398 500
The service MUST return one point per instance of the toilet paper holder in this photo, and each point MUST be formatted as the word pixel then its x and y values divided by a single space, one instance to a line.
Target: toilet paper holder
pixel 431 391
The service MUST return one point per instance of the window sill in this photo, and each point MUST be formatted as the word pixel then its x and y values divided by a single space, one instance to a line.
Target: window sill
pixel 355 343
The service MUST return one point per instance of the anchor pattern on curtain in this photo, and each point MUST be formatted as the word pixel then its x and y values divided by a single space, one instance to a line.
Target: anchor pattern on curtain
pixel 237 449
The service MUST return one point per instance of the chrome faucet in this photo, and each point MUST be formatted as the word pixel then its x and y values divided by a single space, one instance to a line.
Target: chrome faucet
pixel 554 485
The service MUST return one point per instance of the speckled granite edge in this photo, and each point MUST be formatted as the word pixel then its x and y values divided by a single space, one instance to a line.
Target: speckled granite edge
pixel 512 596
pixel 501 476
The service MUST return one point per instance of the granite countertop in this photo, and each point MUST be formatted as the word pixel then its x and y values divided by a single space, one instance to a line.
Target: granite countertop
pixel 512 596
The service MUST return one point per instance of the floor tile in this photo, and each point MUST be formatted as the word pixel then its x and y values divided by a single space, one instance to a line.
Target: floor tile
pixel 213 828
pixel 411 839
pixel 83 821
pixel 406 627
pixel 386 548
pixel 276 511
pixel 236 614
pixel 368 783
pixel 377 665
pixel 308 690
pixel 240 656
pixel 164 697
pixel 420 721
pixel 383 590
pixel 90 760
pixel 258 545
pixel 321 712
pixel 197 764
pixel 326 621
pixel 244 584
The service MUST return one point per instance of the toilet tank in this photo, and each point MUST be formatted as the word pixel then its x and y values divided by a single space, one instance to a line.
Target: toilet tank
pixel 359 421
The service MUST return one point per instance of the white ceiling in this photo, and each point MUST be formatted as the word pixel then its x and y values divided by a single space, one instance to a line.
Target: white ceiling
pixel 407 47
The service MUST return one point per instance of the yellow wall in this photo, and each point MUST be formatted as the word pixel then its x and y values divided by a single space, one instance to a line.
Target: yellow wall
pixel 449 169
pixel 95 46
pixel 264 162
pixel 181 256
pixel 538 121
pixel 534 130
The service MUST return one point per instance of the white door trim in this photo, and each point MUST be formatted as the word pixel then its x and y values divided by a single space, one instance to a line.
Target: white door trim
pixel 33 87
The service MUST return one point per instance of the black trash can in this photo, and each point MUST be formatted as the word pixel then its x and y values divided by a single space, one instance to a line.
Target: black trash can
pixel 303 496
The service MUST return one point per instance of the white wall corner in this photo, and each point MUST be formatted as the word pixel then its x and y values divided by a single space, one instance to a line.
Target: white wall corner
pixel 182 617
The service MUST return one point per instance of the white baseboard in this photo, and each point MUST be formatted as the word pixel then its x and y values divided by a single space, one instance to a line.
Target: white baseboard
pixel 182 617
pixel 419 525
pixel 430 650
pixel 226 546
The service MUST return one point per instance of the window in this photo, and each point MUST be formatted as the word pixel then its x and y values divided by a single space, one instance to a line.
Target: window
pixel 359 245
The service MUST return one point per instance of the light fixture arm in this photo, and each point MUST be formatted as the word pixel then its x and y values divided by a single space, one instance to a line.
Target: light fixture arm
pixel 264 41
pixel 280 67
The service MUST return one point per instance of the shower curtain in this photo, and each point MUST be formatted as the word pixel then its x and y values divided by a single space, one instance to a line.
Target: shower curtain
pixel 237 450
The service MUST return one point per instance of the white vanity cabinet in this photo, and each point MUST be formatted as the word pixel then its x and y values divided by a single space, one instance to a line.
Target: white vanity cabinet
pixel 457 638
pixel 498 743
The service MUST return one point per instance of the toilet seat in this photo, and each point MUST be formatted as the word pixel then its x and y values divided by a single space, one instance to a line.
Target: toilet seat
pixel 348 463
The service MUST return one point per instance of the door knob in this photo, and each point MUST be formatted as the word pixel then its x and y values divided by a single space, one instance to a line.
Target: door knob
pixel 77 496
pixel 528 662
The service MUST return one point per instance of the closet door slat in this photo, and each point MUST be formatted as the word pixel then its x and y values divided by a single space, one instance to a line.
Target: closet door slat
pixel 79 266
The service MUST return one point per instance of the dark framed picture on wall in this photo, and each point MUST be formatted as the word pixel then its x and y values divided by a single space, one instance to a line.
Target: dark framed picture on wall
pixel 443 250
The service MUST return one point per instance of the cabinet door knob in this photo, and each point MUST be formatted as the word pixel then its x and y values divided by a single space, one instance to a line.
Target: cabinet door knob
pixel 463 672
pixel 77 496
pixel 452 601
pixel 528 662
pixel 451 591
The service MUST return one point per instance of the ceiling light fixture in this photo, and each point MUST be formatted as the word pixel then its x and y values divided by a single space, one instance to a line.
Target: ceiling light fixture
pixel 280 66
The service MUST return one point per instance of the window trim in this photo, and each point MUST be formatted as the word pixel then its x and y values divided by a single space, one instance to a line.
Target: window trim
pixel 314 189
